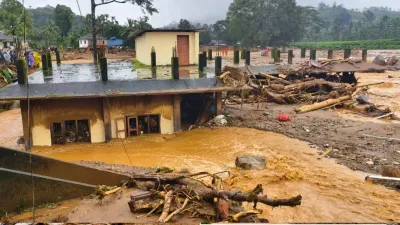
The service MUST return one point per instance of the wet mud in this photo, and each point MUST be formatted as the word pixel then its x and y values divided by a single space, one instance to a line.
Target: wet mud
pixel 331 192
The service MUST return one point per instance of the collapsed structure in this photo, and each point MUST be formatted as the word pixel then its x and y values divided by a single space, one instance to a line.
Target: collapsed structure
pixel 71 104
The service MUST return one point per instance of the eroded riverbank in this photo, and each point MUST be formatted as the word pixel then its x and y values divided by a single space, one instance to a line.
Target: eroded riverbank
pixel 331 192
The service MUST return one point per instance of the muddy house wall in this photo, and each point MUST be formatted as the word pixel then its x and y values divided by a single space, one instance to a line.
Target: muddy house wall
pixel 121 107
pixel 163 43
pixel 45 112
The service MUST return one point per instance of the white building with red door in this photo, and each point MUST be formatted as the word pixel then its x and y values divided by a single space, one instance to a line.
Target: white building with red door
pixel 186 42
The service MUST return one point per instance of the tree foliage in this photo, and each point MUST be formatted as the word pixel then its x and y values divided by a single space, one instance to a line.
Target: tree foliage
pixel 267 22
pixel 185 25
pixel 12 18
pixel 63 17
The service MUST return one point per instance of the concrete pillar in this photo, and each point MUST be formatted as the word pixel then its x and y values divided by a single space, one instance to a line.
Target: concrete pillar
pixel 313 54
pixel 218 103
pixel 107 120
pixel 103 69
pixel 218 65
pixel 44 62
pixel 49 61
pixel 290 57
pixel 210 56
pixel 347 53
pixel 21 71
pixel 25 123
pixel 248 57
pixel 177 113
pixel 201 63
pixel 303 53
pixel 205 58
pixel 236 57
pixel 153 57
pixel 175 68
pixel 277 57
pixel 58 58
pixel 243 55
pixel 364 55
pixel 330 54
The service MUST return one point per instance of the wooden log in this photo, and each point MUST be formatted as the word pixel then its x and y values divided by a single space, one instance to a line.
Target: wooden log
pixel 237 216
pixel 311 83
pixel 176 211
pixel 285 82
pixel 167 207
pixel 320 105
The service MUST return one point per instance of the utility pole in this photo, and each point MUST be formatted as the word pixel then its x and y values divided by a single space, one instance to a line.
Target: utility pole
pixel 94 31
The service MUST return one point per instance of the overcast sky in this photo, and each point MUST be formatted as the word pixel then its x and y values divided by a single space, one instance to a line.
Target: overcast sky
pixel 204 11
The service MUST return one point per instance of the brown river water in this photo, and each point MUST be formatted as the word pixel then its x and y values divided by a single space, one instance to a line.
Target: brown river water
pixel 331 192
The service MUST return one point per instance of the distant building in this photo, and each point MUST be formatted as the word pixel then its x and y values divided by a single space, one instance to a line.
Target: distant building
pixel 163 40
pixel 87 41
pixel 6 41
pixel 113 42
pixel 216 43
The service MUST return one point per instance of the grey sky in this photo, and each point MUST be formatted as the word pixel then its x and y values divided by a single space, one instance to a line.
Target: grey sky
pixel 204 11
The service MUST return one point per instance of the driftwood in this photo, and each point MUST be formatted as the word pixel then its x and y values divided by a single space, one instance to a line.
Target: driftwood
pixel 320 105
pixel 195 195
pixel 167 207
pixel 280 80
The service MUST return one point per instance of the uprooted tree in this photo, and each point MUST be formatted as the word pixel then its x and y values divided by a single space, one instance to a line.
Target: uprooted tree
pixel 170 195
pixel 146 5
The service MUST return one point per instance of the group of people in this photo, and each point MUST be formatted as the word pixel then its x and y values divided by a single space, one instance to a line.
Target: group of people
pixel 9 56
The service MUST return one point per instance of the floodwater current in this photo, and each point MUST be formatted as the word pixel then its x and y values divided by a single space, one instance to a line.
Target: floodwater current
pixel 331 192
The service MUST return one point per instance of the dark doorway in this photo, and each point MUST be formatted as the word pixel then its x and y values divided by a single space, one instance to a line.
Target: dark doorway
pixel 143 124
pixel 196 109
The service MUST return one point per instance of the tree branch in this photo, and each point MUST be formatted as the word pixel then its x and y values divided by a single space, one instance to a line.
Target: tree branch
pixel 105 3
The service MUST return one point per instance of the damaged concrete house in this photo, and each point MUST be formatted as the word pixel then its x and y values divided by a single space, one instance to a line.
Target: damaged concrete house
pixel 73 104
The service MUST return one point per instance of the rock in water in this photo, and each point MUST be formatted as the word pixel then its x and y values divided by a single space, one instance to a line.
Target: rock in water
pixel 250 162
pixel 391 61
pixel 379 60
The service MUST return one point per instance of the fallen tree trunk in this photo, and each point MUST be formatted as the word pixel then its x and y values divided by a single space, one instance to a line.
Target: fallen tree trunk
pixel 320 105
pixel 282 81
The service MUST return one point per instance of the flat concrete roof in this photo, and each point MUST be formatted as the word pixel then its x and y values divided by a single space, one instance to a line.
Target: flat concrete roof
pixel 93 89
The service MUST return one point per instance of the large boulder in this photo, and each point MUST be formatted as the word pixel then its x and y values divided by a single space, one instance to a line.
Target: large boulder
pixel 379 60
pixel 391 61
pixel 250 162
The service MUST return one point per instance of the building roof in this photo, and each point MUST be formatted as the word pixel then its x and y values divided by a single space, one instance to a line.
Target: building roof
pixel 5 37
pixel 141 32
pixel 95 89
pixel 89 37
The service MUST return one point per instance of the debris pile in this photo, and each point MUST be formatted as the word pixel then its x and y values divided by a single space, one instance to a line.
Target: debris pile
pixel 199 195
pixel 282 91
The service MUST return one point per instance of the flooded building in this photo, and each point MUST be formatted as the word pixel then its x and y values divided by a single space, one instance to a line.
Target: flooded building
pixel 72 104
pixel 163 40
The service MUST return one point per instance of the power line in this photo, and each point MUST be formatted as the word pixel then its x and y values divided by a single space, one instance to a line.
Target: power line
pixel 79 7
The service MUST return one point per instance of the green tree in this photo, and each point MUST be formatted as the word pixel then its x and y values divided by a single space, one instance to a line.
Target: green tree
pixel 13 18
pixel 185 25
pixel 267 22
pixel 147 5
pixel 132 26
pixel 50 33
pixel 63 18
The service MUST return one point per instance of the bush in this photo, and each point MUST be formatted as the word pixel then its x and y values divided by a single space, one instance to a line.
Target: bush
pixel 368 44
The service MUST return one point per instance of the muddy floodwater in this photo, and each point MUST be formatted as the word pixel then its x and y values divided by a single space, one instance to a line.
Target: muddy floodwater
pixel 331 193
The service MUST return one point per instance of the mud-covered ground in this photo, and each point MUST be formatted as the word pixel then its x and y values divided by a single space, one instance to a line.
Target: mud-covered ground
pixel 325 129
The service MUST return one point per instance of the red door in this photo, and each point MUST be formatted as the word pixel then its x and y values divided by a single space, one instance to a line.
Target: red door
pixel 183 49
